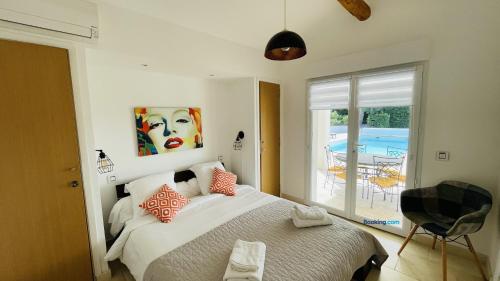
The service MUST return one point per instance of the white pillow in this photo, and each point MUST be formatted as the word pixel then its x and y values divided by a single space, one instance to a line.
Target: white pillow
pixel 203 172
pixel 143 188
pixel 120 214
pixel 188 188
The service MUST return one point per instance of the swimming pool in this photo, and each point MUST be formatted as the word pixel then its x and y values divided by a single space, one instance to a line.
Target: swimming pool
pixel 376 140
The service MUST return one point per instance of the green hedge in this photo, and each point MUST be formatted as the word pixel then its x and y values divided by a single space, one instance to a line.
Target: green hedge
pixel 383 117
pixel 378 120
pixel 338 119
pixel 400 117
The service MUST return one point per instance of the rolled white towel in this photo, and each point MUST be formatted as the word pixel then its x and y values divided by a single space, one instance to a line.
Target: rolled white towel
pixel 300 223
pixel 257 260
pixel 310 213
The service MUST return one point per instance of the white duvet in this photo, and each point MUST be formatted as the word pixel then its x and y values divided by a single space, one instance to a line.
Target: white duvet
pixel 145 239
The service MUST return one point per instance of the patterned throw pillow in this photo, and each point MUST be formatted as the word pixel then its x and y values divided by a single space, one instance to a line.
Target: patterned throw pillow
pixel 223 182
pixel 165 204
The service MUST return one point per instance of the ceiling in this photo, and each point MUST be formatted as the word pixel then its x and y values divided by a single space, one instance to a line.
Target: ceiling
pixel 326 27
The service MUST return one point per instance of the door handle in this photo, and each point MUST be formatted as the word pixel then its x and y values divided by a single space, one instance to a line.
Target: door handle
pixel 74 184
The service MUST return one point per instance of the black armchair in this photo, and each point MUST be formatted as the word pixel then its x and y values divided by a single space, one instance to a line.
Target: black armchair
pixel 450 208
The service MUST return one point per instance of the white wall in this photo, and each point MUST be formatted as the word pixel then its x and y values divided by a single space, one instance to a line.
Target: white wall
pixel 236 111
pixel 179 63
pixel 114 92
pixel 228 106
pixel 323 118
pixel 460 107
pixel 495 249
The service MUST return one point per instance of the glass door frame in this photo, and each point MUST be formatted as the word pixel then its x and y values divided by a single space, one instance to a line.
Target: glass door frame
pixel 311 155
pixel 413 168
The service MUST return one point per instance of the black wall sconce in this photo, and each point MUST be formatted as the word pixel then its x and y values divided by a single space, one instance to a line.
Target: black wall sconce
pixel 104 164
pixel 238 145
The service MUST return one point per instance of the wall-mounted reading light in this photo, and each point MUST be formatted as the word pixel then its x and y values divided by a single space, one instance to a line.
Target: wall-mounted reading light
pixel 104 164
pixel 238 145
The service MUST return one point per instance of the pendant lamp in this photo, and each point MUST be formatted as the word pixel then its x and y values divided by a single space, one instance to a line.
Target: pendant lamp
pixel 285 45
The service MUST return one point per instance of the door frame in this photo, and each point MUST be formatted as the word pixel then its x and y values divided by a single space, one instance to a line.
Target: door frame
pixel 414 149
pixel 92 196
pixel 257 131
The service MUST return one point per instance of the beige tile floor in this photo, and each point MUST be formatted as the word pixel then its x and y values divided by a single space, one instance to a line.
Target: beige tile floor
pixel 417 262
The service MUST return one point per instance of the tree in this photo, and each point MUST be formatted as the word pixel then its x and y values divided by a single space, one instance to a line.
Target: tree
pixel 337 118
pixel 378 120
pixel 400 116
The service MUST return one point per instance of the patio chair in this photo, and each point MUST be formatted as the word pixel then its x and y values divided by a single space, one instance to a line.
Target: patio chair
pixel 335 168
pixel 393 151
pixel 361 148
pixel 449 209
pixel 387 177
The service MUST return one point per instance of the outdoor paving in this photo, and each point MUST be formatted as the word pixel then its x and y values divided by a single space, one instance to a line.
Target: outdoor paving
pixel 382 210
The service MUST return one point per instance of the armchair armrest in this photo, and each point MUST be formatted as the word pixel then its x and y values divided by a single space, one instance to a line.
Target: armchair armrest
pixel 469 223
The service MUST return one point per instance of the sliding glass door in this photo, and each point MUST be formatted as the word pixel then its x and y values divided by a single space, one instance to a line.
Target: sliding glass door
pixel 363 144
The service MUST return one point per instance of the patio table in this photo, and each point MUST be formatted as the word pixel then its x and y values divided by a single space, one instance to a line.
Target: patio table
pixel 366 164
pixel 365 160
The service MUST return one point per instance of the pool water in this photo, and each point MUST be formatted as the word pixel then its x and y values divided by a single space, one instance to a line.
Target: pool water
pixel 376 141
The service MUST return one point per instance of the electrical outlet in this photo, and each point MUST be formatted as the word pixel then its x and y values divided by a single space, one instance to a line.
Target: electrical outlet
pixel 111 178
pixel 220 158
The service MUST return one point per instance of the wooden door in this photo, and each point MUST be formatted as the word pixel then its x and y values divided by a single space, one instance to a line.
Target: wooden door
pixel 269 100
pixel 43 233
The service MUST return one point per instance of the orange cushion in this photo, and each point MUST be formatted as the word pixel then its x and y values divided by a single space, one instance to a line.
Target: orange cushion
pixel 165 204
pixel 223 182
pixel 337 169
pixel 342 176
pixel 384 182
pixel 396 175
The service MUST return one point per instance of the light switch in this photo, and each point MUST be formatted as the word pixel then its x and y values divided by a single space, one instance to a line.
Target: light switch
pixel 442 156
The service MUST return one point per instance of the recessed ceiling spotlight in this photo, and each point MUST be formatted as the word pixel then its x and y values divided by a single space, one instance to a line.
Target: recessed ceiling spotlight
pixel 145 65
pixel 211 75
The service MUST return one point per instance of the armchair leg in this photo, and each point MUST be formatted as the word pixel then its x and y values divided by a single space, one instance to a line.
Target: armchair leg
pixel 415 227
pixel 443 258
pixel 475 256
pixel 434 242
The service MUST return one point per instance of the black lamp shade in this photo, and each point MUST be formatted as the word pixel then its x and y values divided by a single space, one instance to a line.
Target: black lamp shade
pixel 104 164
pixel 286 45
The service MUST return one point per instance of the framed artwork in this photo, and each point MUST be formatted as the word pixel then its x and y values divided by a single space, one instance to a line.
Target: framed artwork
pixel 167 129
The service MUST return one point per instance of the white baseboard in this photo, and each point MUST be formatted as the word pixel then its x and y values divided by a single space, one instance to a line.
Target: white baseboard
pixel 292 198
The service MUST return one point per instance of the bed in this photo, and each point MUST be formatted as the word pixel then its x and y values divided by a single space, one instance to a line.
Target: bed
pixel 197 244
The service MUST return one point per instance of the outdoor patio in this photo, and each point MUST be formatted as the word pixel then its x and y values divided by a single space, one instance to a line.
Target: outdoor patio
pixel 382 210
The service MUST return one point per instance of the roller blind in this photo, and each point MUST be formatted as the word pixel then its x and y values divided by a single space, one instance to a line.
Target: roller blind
pixel 387 89
pixel 329 94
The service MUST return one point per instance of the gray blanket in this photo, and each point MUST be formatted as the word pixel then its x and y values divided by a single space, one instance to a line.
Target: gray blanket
pixel 328 253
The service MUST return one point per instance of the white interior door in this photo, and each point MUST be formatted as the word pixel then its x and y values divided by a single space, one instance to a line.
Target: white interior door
pixel 363 144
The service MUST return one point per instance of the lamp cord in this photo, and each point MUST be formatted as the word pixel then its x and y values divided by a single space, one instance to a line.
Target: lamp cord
pixel 284 14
